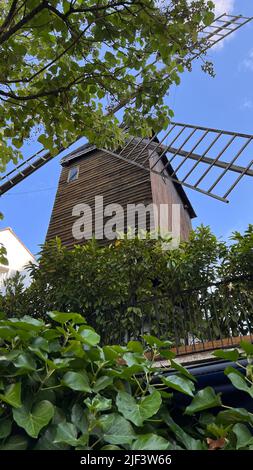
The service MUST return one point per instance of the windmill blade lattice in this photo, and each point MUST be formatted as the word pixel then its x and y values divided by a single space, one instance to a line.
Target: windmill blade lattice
pixel 210 161
pixel 23 170
pixel 222 27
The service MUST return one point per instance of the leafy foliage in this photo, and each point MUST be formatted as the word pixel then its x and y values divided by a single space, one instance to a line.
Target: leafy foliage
pixel 67 66
pixel 3 255
pixel 123 288
pixel 59 391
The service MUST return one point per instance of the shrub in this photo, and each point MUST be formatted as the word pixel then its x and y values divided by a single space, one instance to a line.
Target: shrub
pixel 61 390
pixel 114 287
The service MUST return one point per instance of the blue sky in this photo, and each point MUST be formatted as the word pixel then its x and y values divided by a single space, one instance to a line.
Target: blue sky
pixel 225 102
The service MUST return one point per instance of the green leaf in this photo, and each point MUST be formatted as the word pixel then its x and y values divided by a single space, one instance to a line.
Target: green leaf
pixel 150 442
pixel 25 361
pixel 66 317
pixel 36 419
pixel 133 358
pixel 153 341
pixel 243 435
pixel 78 418
pixel 135 346
pixel 167 354
pixel 102 383
pixel 116 429
pixel 17 142
pixel 7 333
pixel 60 362
pixel 46 141
pixel 127 372
pixel 46 441
pixel 203 400
pixel 182 370
pixel 219 431
pixel 88 336
pixel 208 18
pixel 5 427
pixel 137 411
pixel 238 380
pixel 98 403
pixel 188 441
pixel 66 433
pixel 229 355
pixel 247 347
pixel 15 443
pixel 12 395
pixel 40 344
pixel 111 353
pixel 235 415
pixel 181 384
pixel 109 57
pixel 77 381
pixel 25 323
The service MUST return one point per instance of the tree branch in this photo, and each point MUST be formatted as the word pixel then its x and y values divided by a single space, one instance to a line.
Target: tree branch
pixel 4 37
pixel 10 15
pixel 99 7
pixel 62 17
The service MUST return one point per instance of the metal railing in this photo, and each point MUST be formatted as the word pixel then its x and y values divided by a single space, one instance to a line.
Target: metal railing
pixel 200 319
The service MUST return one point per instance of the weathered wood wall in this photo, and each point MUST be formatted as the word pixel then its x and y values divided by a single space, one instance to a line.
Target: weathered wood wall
pixel 102 174
pixel 164 192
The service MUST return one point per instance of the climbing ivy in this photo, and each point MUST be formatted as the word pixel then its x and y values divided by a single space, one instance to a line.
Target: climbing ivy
pixel 59 390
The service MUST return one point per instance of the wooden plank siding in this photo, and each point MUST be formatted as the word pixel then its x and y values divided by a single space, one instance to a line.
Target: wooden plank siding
pixel 118 181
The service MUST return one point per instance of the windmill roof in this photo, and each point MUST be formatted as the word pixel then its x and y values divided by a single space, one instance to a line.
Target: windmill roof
pixel 88 148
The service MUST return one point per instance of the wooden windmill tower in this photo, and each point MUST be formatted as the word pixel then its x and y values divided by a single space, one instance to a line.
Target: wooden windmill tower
pixel 155 170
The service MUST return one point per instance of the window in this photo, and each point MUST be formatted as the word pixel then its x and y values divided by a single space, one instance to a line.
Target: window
pixel 73 173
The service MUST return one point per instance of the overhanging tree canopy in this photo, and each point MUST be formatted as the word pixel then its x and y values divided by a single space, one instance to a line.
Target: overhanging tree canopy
pixel 67 65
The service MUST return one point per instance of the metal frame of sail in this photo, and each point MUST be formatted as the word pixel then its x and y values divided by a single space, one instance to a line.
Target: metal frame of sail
pixel 186 134
pixel 221 27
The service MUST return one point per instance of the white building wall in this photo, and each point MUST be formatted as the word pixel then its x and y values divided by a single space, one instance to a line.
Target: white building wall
pixel 17 254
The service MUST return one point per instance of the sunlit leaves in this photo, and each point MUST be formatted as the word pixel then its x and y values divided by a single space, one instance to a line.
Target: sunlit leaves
pixel 61 79
pixel 67 317
pixel 181 384
pixel 35 419
pixel 229 355
pixel 239 381
pixel 137 411
pixel 116 429
pixel 203 400
pixel 150 442
pixel 77 381
pixel 12 395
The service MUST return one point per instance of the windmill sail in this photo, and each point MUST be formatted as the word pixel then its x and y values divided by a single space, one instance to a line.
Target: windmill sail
pixel 222 27
pixel 209 36
pixel 23 170
pixel 210 161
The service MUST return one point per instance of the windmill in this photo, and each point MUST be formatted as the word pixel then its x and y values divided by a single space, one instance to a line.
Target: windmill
pixel 207 160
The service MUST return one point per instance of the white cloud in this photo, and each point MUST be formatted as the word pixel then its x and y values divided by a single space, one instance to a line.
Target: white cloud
pixel 223 6
pixel 247 104
pixel 248 62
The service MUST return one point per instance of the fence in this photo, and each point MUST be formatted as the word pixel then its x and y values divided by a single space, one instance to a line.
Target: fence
pixel 200 319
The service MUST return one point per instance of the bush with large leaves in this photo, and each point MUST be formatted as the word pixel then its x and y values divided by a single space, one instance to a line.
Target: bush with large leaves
pixel 114 286
pixel 61 390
